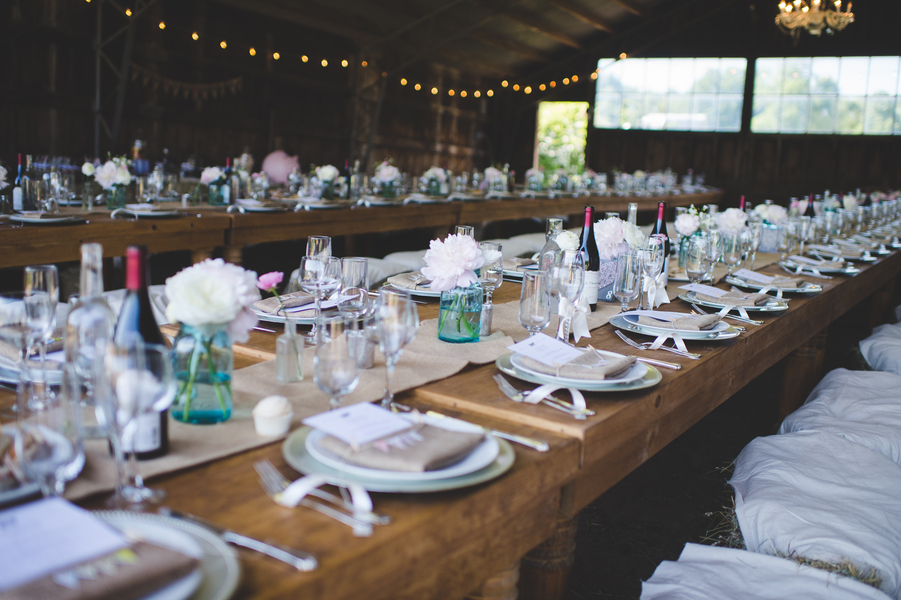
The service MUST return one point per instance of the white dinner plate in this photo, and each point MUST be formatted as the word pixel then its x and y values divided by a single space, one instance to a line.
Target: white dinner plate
pixel 376 201
pixel 251 205
pixel 36 218
pixel 295 452
pixel 219 572
pixel 518 272
pixel 636 372
pixel 807 288
pixel 629 322
pixel 270 318
pixel 773 305
pixel 482 456
pixel 651 378
pixel 831 253
pixel 824 269
pixel 420 293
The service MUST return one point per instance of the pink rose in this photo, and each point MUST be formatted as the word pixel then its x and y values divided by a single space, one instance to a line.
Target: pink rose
pixel 270 280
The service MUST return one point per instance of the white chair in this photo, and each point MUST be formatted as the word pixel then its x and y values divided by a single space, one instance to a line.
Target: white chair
pixel 882 350
pixel 411 260
pixel 379 270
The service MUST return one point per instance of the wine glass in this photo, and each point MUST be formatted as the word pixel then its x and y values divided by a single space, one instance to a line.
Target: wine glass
pixel 715 242
pixel 491 275
pixel 15 330
pixel 334 364
pixel 651 258
pixel 321 277
pixel 136 379
pixel 43 280
pixel 319 246
pixel 627 283
pixel 354 298
pixel 755 230
pixel 804 232
pixel 534 301
pixel 696 258
pixel 396 322
pixel 732 247
pixel 569 281
pixel 785 240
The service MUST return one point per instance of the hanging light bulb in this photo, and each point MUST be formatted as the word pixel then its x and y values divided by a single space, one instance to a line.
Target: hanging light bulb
pixel 403 81
pixel 324 63
pixel 344 63
pixel 127 12
pixel 490 93
pixel 504 83
pixel 477 93
pixel 417 87
pixel 162 24
pixel 253 52
pixel 223 45
pixel 194 36
pixel 304 58
pixel 463 94
pixel 276 55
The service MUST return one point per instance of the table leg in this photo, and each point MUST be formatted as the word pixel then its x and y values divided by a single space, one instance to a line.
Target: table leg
pixel 201 254
pixel 801 371
pixel 234 254
pixel 546 568
pixel 500 586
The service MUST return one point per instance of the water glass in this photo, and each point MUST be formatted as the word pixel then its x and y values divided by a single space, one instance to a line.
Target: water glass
pixel 535 301
pixel 396 323
pixel 319 276
pixel 627 284
pixel 42 280
pixel 491 275
pixel 732 250
pixel 465 230
pixel 354 298
pixel 334 364
pixel 569 281
pixel 697 258
pixel 319 246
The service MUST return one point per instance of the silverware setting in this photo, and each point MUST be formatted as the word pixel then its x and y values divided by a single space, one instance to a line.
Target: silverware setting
pixel 647 346
pixel 728 316
pixel 804 273
pixel 258 328
pixel 516 395
pixel 512 437
pixel 649 361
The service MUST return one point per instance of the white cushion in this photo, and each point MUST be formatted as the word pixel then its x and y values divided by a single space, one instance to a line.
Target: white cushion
pixel 882 350
pixel 711 573
pixel 819 496
pixel 533 242
pixel 379 270
pixel 412 260
pixel 861 406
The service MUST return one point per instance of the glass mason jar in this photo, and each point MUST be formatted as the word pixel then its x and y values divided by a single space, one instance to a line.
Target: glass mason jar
pixel 434 188
pixel 115 197
pixel 389 189
pixel 460 313
pixel 328 190
pixel 214 195
pixel 202 359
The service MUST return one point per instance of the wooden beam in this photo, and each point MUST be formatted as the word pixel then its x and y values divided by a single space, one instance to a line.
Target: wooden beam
pixel 539 25
pixel 474 64
pixel 581 13
pixel 629 7
pixel 286 13
pixel 513 46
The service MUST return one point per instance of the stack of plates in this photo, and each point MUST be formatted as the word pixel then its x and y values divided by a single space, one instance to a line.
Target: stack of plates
pixel 42 218
pixel 806 287
pixel 640 376
pixel 490 459
pixel 824 268
pixel 146 211
pixel 773 305
pixel 629 322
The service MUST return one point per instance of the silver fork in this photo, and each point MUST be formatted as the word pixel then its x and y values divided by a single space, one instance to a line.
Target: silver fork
pixel 728 316
pixel 647 346
pixel 517 396
pixel 274 484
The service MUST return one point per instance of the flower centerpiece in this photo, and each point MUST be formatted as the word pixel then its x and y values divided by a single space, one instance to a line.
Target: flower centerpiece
pixel 387 177
pixel 3 182
pixel 87 193
pixel 614 237
pixel 113 176
pixel 435 180
pixel 773 217
pixel 211 301
pixel 214 179
pixel 732 220
pixel 687 225
pixel 495 179
pixel 535 179
pixel 451 266
pixel 327 176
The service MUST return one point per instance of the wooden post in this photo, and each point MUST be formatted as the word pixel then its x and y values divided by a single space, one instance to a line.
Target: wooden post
pixel 802 370
pixel 546 568
pixel 201 254
pixel 233 254
pixel 500 586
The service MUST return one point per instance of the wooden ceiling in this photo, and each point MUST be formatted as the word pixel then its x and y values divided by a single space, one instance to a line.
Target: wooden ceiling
pixel 490 38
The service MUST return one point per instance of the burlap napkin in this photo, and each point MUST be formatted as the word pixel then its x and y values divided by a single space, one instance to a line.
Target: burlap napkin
pixel 734 298
pixel 422 448
pixel 686 323
pixel 410 281
pixel 292 300
pixel 511 264
pixel 588 366
pixel 155 568
pixel 779 281
pixel 11 353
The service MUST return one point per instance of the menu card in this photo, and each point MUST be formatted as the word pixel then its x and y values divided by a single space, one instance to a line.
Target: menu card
pixel 359 424
pixel 753 276
pixel 708 290
pixel 545 349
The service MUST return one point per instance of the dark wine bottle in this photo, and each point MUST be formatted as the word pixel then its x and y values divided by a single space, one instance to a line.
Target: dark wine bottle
pixel 741 204
pixel 225 188
pixel 809 211
pixel 660 229
pixel 592 260
pixel 30 183
pixel 18 189
pixel 151 439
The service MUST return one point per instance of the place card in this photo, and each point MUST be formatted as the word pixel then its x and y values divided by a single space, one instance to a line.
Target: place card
pixel 707 290
pixel 358 424
pixel 545 349
pixel 754 276
pixel 45 536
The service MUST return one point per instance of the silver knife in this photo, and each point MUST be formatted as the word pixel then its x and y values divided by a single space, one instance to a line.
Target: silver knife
pixel 659 363
pixel 300 560
pixel 519 439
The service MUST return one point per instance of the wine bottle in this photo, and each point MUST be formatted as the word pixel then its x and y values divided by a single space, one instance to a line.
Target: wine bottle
pixel 18 191
pixel 225 188
pixel 592 260
pixel 741 204
pixel 30 187
pixel 151 439
pixel 810 211
pixel 660 229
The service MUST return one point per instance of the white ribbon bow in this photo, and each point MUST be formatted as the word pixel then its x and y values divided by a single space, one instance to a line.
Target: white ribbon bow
pixel 362 502
pixel 741 311
pixel 677 341
pixel 543 391
pixel 656 290
pixel 578 312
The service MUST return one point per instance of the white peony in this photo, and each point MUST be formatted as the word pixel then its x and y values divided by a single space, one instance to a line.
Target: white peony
pixel 492 174
pixel 452 262
pixel 732 220
pixel 762 210
pixel 633 235
pixel 386 173
pixel 106 175
pixel 3 182
pixel 210 175
pixel 436 173
pixel 88 169
pixel 567 240
pixel 123 177
pixel 776 215
pixel 211 293
pixel 326 173
pixel 849 202
pixel 610 238
pixel 687 224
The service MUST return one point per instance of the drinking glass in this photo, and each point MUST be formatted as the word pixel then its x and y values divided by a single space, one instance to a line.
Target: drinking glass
pixel 534 301
pixel 354 298
pixel 136 380
pixel 43 280
pixel 805 226
pixel 732 247
pixel 569 281
pixel 396 322
pixel 491 275
pixel 785 240
pixel 334 364
pixel 651 259
pixel 15 330
pixel 319 246
pixel 465 230
pixel 696 258
pixel 627 283
pixel 321 277
pixel 715 241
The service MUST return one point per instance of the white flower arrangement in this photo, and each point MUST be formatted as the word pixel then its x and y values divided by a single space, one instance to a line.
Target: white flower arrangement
pixel 639 174
pixel 113 172
pixel 849 202
pixel 436 173
pixel 687 224
pixel 3 182
pixel 386 173
pixel 732 220
pixel 633 236
pixel 610 237
pixel 326 173
pixel 87 169
pixel 453 262
pixel 492 175
pixel 568 241
pixel 772 213
pixel 211 175
pixel 212 293
pixel 535 173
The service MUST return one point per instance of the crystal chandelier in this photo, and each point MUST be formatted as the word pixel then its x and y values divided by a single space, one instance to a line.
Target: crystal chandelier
pixel 819 15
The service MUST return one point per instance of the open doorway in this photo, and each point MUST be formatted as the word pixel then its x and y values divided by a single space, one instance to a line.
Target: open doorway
pixel 561 135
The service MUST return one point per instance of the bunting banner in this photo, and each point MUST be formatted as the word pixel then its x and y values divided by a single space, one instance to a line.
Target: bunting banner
pixel 198 91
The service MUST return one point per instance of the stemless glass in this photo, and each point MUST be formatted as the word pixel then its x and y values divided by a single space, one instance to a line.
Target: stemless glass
pixel 732 248
pixel 396 322
pixel 319 246
pixel 334 364
pixel 534 301
pixel 696 258
pixel 321 277
pixel 43 280
pixel 354 298
pixel 627 283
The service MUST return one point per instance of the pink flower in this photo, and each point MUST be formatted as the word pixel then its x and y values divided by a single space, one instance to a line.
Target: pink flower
pixel 270 280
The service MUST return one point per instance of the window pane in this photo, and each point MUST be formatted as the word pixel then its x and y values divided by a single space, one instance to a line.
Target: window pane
pixel 883 76
pixel 607 110
pixel 657 75
pixel 796 78
pixel 633 75
pixel 633 110
pixel 822 114
pixel 768 76
pixel 707 75
pixel 729 118
pixel 794 113
pixel 654 111
pixel 766 113
pixel 681 76
pixel 703 116
pixel 824 76
pixel 880 116
pixel 679 116
pixel 609 73
pixel 897 118
pixel 732 75
pixel 852 79
pixel 850 115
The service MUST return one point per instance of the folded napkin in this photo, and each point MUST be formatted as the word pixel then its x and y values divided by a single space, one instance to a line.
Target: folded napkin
pixel 422 448
pixel 410 281
pixel 779 281
pixel 125 575
pixel 292 300
pixel 588 366
pixel 686 323
pixel 511 264
pixel 734 298
pixel 11 353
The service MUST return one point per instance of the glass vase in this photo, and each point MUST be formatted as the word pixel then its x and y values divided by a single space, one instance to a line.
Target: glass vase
pixel 115 197
pixel 459 314
pixel 434 189
pixel 214 195
pixel 202 359
pixel 389 189
pixel 328 190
